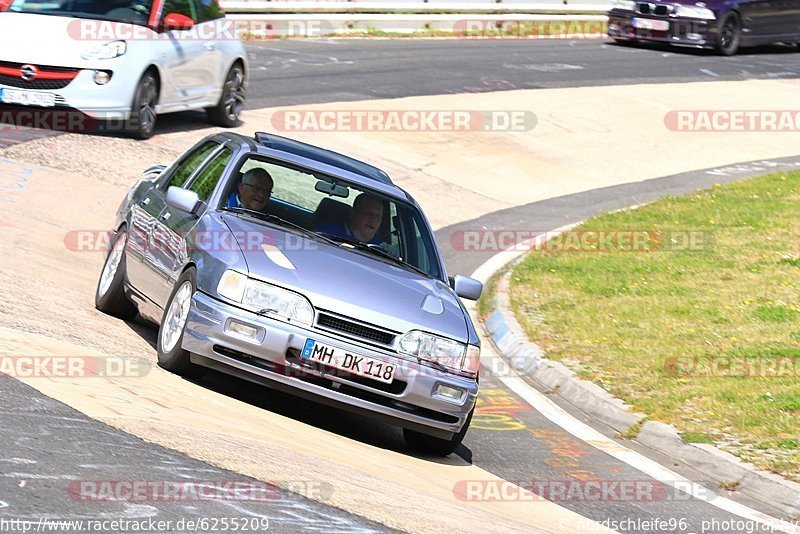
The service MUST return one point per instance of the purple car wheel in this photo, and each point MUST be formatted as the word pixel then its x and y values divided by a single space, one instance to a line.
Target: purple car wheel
pixel 730 34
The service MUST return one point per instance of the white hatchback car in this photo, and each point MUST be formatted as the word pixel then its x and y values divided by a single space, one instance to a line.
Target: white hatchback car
pixel 122 61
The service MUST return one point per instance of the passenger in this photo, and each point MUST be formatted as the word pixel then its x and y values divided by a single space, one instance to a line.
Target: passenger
pixel 253 191
pixel 363 221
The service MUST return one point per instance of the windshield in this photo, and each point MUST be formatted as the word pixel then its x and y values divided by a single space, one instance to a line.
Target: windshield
pixel 136 11
pixel 337 210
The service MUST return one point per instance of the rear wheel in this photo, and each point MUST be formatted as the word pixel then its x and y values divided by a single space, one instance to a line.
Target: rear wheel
pixel 730 34
pixel 424 443
pixel 110 294
pixel 226 113
pixel 142 121
pixel 171 355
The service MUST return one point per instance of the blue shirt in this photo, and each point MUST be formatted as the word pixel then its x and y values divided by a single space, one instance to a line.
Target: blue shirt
pixel 234 201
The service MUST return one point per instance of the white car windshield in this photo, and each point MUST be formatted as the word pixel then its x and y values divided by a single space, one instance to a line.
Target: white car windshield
pixel 132 11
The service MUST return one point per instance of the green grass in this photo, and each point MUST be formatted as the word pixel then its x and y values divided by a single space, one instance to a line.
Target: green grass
pixel 696 437
pixel 717 282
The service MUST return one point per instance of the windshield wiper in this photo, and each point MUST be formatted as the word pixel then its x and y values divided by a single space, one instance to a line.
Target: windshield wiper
pixel 375 249
pixel 280 221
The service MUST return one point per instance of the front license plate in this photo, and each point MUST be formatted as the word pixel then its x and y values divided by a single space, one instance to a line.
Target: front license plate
pixel 346 361
pixel 649 24
pixel 27 98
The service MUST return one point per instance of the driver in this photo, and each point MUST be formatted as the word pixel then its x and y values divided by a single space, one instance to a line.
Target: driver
pixel 253 192
pixel 363 221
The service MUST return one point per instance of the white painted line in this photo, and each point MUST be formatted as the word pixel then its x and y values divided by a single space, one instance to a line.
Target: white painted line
pixel 651 468
pixel 589 435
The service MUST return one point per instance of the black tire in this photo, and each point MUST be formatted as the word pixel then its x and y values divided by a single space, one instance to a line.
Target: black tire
pixel 109 297
pixel 231 102
pixel 426 444
pixel 171 356
pixel 142 120
pixel 730 35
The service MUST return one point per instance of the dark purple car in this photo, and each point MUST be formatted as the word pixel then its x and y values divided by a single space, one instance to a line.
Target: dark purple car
pixel 724 25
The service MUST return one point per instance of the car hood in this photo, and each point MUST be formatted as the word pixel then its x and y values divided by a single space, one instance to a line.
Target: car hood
pixel 351 283
pixel 711 4
pixel 50 40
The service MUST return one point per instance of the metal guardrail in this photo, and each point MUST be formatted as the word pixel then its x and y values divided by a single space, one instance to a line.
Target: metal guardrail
pixel 295 18
pixel 414 6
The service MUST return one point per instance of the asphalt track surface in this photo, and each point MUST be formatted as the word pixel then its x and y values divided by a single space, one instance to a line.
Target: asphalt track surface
pixel 296 72
pixel 509 439
pixel 300 72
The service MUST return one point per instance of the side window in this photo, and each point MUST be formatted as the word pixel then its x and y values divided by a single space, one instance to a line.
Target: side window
pixel 416 246
pixel 189 165
pixel 208 10
pixel 290 185
pixel 206 181
pixel 180 7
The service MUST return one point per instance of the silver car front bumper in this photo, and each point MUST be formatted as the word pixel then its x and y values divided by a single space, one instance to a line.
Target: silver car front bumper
pixel 410 400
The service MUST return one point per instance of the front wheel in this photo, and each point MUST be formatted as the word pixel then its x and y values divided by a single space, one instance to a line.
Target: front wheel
pixel 426 444
pixel 226 112
pixel 730 34
pixel 171 355
pixel 142 121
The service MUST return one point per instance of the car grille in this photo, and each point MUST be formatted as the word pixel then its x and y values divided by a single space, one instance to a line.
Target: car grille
pixel 648 8
pixel 352 328
pixel 14 80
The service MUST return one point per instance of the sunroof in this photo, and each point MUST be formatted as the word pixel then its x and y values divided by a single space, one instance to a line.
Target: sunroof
pixel 322 155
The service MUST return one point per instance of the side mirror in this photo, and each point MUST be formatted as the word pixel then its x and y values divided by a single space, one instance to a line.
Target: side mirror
pixel 332 189
pixel 182 199
pixel 153 172
pixel 175 21
pixel 466 287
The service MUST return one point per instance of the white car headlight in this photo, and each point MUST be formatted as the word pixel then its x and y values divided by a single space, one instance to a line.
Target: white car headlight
pixel 628 5
pixel 446 352
pixel 106 51
pixel 266 299
pixel 695 12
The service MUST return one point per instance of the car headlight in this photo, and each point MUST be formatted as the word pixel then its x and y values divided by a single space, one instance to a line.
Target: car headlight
pixel 450 354
pixel 266 299
pixel 106 51
pixel 628 5
pixel 695 12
